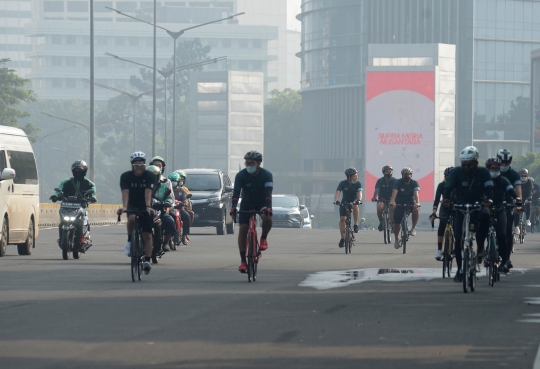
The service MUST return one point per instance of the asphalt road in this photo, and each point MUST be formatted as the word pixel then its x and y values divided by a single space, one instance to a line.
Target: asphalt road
pixel 195 310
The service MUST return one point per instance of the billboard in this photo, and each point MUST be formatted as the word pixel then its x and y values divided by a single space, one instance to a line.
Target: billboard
pixel 400 127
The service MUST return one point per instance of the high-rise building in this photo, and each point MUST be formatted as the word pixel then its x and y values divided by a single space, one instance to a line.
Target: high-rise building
pixel 493 39
pixel 60 41
pixel 293 62
pixel 14 15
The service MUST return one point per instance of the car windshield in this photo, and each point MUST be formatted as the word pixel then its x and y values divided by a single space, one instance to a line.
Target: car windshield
pixel 285 202
pixel 203 182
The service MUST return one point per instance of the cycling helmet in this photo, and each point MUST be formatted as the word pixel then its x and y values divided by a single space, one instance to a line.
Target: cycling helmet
pixel 406 170
pixel 447 171
pixel 138 155
pixel 155 170
pixel 523 172
pixel 504 155
pixel 253 155
pixel 386 167
pixel 182 173
pixel 469 153
pixel 350 172
pixel 493 161
pixel 158 158
pixel 174 176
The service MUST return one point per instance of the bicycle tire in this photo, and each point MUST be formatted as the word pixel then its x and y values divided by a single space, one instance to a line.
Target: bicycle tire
pixel 350 243
pixel 465 269
pixel 134 252
pixel 446 253
pixel 491 256
pixel 404 234
pixel 472 269
pixel 255 257
pixel 389 229
pixel 532 219
pixel 385 227
pixel 250 256
pixel 346 239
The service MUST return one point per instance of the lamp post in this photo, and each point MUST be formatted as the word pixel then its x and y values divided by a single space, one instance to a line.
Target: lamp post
pixel 166 75
pixel 92 96
pixel 175 36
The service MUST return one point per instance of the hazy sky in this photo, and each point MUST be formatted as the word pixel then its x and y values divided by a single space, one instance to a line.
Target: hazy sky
pixel 293 8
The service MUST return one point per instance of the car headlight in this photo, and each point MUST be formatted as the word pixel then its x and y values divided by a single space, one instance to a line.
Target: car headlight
pixel 213 201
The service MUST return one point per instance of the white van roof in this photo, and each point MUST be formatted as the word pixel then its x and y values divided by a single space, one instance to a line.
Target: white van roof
pixel 7 130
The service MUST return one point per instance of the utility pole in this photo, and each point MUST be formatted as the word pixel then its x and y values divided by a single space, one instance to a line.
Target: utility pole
pixel 92 97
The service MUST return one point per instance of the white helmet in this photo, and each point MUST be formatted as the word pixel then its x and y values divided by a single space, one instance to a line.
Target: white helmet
pixel 469 153
pixel 138 155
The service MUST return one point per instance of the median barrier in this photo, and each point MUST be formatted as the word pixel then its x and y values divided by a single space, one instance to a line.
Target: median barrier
pixel 98 214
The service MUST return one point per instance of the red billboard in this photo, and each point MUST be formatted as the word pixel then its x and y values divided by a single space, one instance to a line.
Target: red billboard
pixel 400 129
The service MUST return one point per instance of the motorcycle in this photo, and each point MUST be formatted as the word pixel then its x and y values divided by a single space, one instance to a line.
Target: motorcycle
pixel 177 239
pixel 73 214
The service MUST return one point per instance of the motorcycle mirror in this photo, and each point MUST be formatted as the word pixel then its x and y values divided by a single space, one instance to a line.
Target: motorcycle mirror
pixel 188 196
pixel 90 192
pixel 58 190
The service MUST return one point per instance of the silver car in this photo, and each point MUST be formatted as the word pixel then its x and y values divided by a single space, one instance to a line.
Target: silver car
pixel 307 218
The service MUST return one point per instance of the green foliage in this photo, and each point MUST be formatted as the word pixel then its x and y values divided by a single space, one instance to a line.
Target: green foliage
pixel 530 161
pixel 282 130
pixel 13 93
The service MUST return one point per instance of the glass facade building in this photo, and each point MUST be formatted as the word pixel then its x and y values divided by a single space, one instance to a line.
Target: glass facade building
pixel 493 38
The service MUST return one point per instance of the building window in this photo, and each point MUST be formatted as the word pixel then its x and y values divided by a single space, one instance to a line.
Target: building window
pixel 71 83
pixel 102 62
pixel 211 88
pixel 243 65
pixel 57 61
pixel 77 6
pixel 120 41
pixel 133 41
pixel 102 41
pixel 71 40
pixel 71 61
pixel 257 44
pixel 257 65
pixel 226 43
pixel 56 40
pixel 99 6
pixel 57 83
pixel 243 44
pixel 126 6
pixel 53 6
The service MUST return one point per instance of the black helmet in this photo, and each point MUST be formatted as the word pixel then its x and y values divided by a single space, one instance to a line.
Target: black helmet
pixel 504 155
pixel 350 172
pixel 79 164
pixel 253 155
pixel 447 171
pixel 386 167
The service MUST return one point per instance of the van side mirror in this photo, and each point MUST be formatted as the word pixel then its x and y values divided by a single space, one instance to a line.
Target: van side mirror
pixel 90 192
pixel 312 217
pixel 7 173
pixel 302 207
pixel 57 189
pixel 229 189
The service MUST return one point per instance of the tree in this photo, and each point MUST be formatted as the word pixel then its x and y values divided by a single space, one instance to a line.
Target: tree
pixel 13 93
pixel 282 130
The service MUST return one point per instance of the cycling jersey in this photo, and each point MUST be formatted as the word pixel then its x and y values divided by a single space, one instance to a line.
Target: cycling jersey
pixel 503 191
pixel 469 188
pixel 256 189
pixel 383 188
pixel 405 191
pixel 137 187
pixel 349 190
pixel 512 176
pixel 527 188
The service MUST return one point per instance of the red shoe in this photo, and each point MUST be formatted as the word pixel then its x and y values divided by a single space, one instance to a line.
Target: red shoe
pixel 263 245
pixel 243 267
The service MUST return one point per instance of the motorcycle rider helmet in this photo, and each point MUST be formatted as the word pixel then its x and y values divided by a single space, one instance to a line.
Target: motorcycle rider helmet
pixel 447 171
pixel 386 167
pixel 469 153
pixel 504 155
pixel 253 155
pixel 174 177
pixel 79 164
pixel 160 159
pixel 154 170
pixel 182 173
pixel 493 161
pixel 350 172
pixel 138 155
pixel 406 170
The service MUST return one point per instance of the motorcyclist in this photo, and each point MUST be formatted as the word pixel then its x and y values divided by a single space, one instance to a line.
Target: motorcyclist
pixel 163 200
pixel 77 186
pixel 180 195
pixel 189 206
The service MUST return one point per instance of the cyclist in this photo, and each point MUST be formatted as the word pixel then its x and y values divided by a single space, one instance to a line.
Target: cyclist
pixel 513 176
pixel 470 184
pixel 352 192
pixel 502 191
pixel 180 195
pixel 77 185
pixel 163 201
pixel 383 192
pixel 442 214
pixel 189 206
pixel 527 189
pixel 405 191
pixel 256 185
pixel 137 187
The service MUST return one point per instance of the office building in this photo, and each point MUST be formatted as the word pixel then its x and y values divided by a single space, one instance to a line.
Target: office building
pixel 14 15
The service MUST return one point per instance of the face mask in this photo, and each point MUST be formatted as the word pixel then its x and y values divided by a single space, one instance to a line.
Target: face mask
pixel 181 183
pixel 174 184
pixel 504 169
pixel 406 179
pixel 495 174
pixel 388 175
pixel 251 170
pixel 524 179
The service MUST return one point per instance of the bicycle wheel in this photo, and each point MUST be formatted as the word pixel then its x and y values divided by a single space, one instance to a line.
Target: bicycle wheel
pixel 250 256
pixel 255 256
pixel 465 269
pixel 385 227
pixel 448 238
pixel 134 252
pixel 472 269
pixel 491 261
pixel 404 234
pixel 350 242
pixel 347 239
pixel 389 229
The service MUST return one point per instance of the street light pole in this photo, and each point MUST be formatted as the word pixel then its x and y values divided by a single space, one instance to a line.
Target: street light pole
pixel 154 84
pixel 92 96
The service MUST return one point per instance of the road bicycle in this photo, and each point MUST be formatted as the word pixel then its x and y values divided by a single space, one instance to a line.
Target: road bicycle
pixel 405 232
pixel 522 225
pixel 136 250
pixel 492 261
pixel 448 244
pixel 468 267
pixel 253 253
pixel 349 234
pixel 386 221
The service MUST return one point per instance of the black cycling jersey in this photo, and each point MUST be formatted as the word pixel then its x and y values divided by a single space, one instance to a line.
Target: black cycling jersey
pixel 527 188
pixel 405 191
pixel 383 188
pixel 512 176
pixel 137 187
pixel 502 191
pixel 469 188
pixel 256 190
pixel 349 190
pixel 536 188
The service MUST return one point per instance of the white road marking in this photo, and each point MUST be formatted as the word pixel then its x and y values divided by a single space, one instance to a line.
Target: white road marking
pixel 532 300
pixel 536 364
pixel 528 321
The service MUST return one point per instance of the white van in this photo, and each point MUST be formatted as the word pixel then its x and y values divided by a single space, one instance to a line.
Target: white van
pixel 19 192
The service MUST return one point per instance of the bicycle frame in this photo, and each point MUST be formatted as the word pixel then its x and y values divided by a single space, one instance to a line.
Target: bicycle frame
pixel 349 235
pixel 252 245
pixel 404 225
pixel 469 256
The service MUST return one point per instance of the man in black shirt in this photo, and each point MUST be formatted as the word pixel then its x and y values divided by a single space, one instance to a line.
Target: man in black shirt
pixel 352 193
pixel 383 193
pixel 405 192
pixel 137 186
pixel 256 185
pixel 442 214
